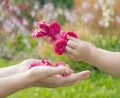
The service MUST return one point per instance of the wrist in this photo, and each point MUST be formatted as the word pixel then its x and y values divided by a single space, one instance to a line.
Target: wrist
pixel 90 53
pixel 12 84
pixel 30 79
pixel 94 56
pixel 22 82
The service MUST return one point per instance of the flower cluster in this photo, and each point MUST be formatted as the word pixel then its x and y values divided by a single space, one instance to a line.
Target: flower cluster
pixel 53 30
pixel 108 12
pixel 48 63
pixel 101 14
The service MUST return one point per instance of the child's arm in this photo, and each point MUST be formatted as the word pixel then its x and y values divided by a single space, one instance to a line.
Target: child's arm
pixel 106 61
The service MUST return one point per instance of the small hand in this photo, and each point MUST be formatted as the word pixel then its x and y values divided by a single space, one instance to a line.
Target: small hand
pixel 77 50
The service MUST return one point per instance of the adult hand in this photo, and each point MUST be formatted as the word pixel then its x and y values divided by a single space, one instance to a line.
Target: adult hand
pixel 45 76
pixel 39 76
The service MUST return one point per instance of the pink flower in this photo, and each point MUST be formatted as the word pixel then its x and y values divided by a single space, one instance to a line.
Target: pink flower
pixel 34 65
pixel 41 33
pixel 37 34
pixel 61 42
pixel 59 46
pixel 54 27
pixel 60 64
pixel 23 6
pixel 41 63
pixel 6 1
pixel 34 33
pixel 53 30
pixel 53 37
pixel 46 63
pixel 43 26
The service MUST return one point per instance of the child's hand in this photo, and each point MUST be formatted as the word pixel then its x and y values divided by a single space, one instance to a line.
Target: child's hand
pixel 78 50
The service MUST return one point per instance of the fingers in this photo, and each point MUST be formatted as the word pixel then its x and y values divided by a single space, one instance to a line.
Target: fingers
pixel 72 44
pixel 30 61
pixel 50 71
pixel 75 77
pixel 85 75
pixel 70 50
pixel 71 38
pixel 50 77
pixel 59 81
pixel 71 53
pixel 59 70
pixel 70 56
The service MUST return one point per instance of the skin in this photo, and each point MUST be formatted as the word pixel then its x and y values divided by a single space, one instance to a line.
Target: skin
pixel 78 50
pixel 18 77
pixel 107 61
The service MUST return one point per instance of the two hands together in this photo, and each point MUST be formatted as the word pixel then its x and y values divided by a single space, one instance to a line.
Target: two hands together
pixel 21 77
pixel 79 50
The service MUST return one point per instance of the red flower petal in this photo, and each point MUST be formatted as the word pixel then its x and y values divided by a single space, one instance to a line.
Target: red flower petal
pixel 43 26
pixel 34 65
pixel 46 63
pixel 40 34
pixel 41 63
pixel 54 27
pixel 34 33
pixel 59 46
pixel 60 64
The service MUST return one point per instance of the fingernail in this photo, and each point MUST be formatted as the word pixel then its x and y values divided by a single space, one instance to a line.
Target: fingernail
pixel 71 71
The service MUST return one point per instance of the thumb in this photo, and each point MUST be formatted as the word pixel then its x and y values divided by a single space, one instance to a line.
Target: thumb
pixel 71 38
pixel 59 70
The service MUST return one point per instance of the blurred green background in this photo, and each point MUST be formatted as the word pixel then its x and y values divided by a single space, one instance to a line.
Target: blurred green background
pixel 96 21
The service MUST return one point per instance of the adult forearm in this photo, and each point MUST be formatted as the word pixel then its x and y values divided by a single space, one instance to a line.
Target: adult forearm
pixel 11 84
pixel 106 61
pixel 7 71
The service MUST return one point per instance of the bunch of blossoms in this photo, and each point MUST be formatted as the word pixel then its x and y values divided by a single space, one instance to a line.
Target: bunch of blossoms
pixel 108 12
pixel 55 13
pixel 53 30
pixel 48 63
pixel 23 12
